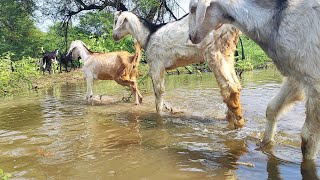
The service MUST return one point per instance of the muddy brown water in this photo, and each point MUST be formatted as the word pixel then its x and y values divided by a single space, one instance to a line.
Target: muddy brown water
pixel 55 134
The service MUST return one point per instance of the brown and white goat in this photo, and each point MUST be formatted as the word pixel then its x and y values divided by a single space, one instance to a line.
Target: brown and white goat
pixel 120 66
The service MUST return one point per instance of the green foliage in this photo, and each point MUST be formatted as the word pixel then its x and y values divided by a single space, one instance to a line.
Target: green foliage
pixel 146 6
pixel 4 175
pixel 94 29
pixel 255 56
pixel 244 65
pixel 53 39
pixel 15 76
pixel 96 23
pixel 17 30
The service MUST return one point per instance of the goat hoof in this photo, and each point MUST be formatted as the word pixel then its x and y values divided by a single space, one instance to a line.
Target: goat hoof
pixel 175 111
pixel 138 103
pixel 239 123
pixel 264 145
pixel 235 122
pixel 88 98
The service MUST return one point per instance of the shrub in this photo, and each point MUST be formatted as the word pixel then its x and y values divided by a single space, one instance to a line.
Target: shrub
pixel 15 76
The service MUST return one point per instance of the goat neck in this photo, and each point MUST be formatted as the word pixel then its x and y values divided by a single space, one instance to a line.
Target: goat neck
pixel 139 30
pixel 84 53
pixel 257 19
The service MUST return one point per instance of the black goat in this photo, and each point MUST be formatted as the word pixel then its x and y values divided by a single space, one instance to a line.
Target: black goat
pixel 47 59
pixel 64 60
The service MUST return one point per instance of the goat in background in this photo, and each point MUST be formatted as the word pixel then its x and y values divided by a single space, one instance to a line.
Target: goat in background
pixel 64 61
pixel 47 60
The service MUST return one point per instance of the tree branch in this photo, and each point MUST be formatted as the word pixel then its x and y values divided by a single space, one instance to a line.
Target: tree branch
pixel 117 4
pixel 83 7
pixel 152 13
pixel 81 3
pixel 168 9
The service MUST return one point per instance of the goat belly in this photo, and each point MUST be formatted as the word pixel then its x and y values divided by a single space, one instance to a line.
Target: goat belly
pixel 104 76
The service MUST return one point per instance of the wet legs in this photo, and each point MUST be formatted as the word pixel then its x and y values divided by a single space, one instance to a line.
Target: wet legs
pixel 290 92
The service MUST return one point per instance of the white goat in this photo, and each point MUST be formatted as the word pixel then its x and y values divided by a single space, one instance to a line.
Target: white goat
pixel 166 48
pixel 120 66
pixel 288 31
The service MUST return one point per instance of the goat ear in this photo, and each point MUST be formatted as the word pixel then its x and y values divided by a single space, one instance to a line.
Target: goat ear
pixel 201 10
pixel 121 22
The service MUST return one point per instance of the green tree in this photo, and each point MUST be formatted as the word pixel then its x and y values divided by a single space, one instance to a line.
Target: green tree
pixel 17 29
pixel 94 29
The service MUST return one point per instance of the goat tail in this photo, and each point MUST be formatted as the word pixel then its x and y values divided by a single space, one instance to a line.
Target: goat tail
pixel 44 63
pixel 137 53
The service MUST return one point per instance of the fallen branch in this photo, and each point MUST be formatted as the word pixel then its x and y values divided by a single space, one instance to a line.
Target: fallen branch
pixel 244 164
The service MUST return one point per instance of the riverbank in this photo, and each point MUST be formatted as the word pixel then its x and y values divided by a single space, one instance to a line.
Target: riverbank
pixel 21 82
pixel 26 78
pixel 48 80
pixel 74 76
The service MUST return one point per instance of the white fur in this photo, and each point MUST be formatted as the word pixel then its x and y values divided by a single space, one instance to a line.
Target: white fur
pixel 168 49
pixel 293 45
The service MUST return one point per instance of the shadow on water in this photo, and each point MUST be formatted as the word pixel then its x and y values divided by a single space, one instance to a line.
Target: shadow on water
pixel 308 170
pixel 55 134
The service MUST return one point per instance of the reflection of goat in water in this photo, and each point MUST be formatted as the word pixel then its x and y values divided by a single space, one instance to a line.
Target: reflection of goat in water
pixel 47 60
pixel 120 66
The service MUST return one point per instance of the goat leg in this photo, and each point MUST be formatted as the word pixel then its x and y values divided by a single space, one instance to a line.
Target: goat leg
pixel 310 133
pixel 125 81
pixel 89 88
pixel 290 92
pixel 135 91
pixel 157 76
pixel 230 87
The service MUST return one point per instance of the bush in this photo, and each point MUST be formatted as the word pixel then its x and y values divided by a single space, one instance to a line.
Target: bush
pixel 244 65
pixel 254 55
pixel 15 76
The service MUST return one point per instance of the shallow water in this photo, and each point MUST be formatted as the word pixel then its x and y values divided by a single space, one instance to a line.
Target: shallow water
pixel 55 134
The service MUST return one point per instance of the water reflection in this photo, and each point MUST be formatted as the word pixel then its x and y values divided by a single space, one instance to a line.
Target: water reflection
pixel 19 117
pixel 308 170
pixel 273 168
pixel 55 134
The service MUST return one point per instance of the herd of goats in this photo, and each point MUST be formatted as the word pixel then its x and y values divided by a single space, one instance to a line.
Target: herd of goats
pixel 50 59
pixel 287 30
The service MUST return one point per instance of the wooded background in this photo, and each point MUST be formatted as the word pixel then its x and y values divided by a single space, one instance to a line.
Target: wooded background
pixel 88 20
